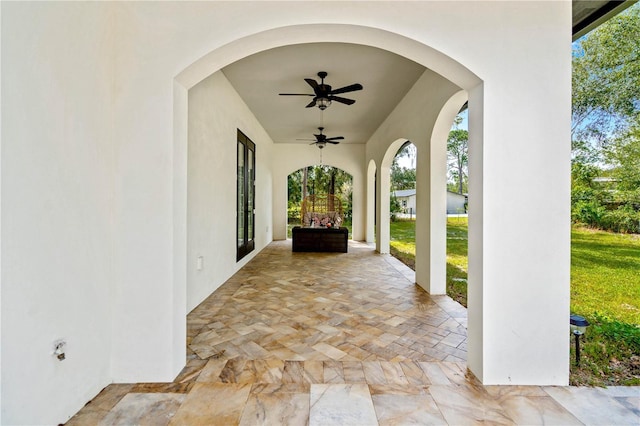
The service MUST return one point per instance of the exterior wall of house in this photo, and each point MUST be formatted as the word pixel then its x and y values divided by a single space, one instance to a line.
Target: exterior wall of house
pixel 58 217
pixel 94 176
pixel 455 203
pixel 215 113
pixel 408 203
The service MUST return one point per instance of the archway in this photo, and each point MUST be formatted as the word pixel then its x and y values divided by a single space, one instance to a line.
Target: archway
pixel 383 194
pixel 318 180
pixel 214 61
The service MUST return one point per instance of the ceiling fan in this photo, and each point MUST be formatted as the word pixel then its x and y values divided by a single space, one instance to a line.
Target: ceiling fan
pixel 323 94
pixel 321 139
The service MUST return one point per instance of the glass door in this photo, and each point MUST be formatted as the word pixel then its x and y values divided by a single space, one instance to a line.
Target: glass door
pixel 245 229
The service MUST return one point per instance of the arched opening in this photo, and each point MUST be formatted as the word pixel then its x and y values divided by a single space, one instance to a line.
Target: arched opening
pixel 431 258
pixel 293 35
pixel 319 180
pixel 403 205
pixel 383 195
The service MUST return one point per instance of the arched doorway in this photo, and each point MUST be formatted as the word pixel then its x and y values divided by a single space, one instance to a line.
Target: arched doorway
pixel 318 180
pixel 435 61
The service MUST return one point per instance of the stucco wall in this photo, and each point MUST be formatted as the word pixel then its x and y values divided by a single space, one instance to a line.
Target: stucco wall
pixel 94 151
pixel 215 113
pixel 57 208
pixel 455 203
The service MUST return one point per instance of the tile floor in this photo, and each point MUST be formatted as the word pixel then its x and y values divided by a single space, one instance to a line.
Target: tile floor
pixel 338 339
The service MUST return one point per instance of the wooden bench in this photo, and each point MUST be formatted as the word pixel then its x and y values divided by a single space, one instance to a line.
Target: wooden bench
pixel 307 239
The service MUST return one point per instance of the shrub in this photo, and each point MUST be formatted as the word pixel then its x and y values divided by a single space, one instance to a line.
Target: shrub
pixel 624 219
pixel 588 212
pixel 293 212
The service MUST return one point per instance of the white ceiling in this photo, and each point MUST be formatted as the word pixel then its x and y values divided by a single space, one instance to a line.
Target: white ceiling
pixel 385 77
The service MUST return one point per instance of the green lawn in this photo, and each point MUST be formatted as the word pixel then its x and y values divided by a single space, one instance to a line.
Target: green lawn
pixel 403 246
pixel 605 288
pixel 605 274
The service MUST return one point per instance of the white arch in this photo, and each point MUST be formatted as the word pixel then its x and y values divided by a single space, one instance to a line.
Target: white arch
pixel 288 158
pixel 330 165
pixel 289 35
pixel 383 178
pixel 431 248
pixel 371 201
pixel 338 33
pixel 349 168
pixel 297 34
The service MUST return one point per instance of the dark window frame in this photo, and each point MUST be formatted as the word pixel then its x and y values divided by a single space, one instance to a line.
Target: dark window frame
pixel 245 196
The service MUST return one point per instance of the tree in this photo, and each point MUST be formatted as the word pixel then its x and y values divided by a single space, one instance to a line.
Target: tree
pixel 319 180
pixel 605 128
pixel 606 79
pixel 402 177
pixel 409 151
pixel 624 155
pixel 295 186
pixel 457 156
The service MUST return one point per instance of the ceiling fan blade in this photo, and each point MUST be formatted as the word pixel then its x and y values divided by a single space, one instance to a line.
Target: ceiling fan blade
pixel 333 142
pixel 335 138
pixel 312 83
pixel 345 89
pixel 295 94
pixel 311 104
pixel 342 100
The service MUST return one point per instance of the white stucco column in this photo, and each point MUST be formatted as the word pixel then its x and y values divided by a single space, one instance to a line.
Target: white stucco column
pixel 431 217
pixel 371 202
pixel 519 209
pixel 383 181
pixel 280 195
pixel 431 196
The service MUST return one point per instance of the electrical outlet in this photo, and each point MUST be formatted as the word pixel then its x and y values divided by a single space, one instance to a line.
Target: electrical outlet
pixel 59 349
pixel 199 263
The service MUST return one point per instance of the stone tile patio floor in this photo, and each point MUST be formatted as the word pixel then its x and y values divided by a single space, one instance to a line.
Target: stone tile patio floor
pixel 338 339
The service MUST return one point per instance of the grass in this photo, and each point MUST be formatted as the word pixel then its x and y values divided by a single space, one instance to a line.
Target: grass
pixel 403 247
pixel 403 241
pixel 605 274
pixel 605 288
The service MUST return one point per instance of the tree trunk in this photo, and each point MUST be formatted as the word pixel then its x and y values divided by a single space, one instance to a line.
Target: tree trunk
pixel 460 176
pixel 332 189
pixel 305 174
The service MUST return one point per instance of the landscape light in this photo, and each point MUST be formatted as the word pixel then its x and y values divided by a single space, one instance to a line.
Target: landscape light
pixel 578 328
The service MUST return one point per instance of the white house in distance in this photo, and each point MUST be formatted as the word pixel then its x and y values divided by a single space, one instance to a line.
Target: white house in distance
pixel 119 160
pixel 407 199
pixel 456 203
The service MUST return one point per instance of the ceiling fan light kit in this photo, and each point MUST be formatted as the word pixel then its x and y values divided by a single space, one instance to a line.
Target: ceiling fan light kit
pixel 323 103
pixel 321 139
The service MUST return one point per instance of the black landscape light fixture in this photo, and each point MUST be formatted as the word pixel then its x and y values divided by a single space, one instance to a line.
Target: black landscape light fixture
pixel 578 328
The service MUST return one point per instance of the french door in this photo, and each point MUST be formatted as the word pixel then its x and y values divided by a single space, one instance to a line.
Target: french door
pixel 245 219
